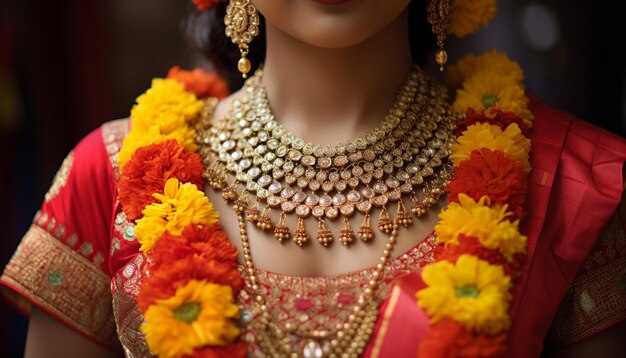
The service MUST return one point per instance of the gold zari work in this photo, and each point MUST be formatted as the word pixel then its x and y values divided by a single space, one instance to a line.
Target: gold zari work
pixel 63 282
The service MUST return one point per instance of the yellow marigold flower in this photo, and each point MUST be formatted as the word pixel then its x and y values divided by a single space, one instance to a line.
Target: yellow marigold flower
pixel 511 141
pixel 469 16
pixel 166 96
pixel 488 224
pixel 137 138
pixel 491 61
pixel 489 91
pixel 179 206
pixel 199 314
pixel 472 292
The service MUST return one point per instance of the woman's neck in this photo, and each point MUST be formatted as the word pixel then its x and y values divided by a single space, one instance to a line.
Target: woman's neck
pixel 348 90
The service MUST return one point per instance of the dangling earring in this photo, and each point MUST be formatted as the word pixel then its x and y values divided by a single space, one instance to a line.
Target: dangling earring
pixel 439 17
pixel 242 25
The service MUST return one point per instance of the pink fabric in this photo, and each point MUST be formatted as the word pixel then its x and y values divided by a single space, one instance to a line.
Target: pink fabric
pixel 574 189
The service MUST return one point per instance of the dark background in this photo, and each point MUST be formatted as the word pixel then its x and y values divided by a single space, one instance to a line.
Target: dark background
pixel 66 67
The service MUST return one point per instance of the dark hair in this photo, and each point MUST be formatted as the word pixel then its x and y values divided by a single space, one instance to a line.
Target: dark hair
pixel 206 32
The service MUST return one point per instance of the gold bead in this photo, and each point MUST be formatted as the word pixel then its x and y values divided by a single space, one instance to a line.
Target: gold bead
pixel 441 57
pixel 244 66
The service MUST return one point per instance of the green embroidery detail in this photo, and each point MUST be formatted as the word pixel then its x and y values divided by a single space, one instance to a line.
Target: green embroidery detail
pixel 54 278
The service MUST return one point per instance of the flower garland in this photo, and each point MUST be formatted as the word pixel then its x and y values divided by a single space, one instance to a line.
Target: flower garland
pixel 188 297
pixel 480 248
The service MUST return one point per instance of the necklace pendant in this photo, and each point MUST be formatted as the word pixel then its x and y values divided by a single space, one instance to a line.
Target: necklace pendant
pixel 365 231
pixel 241 204
pixel 384 221
pixel 417 208
pixel 300 236
pixel 281 232
pixel 253 213
pixel 402 216
pixel 265 222
pixel 230 194
pixel 324 236
pixel 346 236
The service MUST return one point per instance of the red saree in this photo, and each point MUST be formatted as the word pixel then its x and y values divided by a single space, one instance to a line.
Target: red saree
pixel 80 260
pixel 574 189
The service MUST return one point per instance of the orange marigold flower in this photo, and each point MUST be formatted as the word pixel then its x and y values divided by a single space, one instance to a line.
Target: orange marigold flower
pixel 471 246
pixel 148 170
pixel 204 5
pixel 500 119
pixel 449 339
pixel 492 61
pixel 483 135
pixel 493 174
pixel 203 84
pixel 469 16
pixel 234 350
pixel 208 242
pixel 163 283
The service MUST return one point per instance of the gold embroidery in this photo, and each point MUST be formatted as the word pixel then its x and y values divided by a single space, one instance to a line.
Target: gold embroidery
pixel 113 134
pixel 320 303
pixel 60 179
pixel 128 318
pixel 597 297
pixel 63 282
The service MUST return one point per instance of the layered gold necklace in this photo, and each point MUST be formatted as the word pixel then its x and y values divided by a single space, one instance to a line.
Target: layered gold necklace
pixel 258 166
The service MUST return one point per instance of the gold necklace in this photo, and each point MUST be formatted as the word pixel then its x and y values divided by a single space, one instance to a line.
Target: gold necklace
pixel 404 156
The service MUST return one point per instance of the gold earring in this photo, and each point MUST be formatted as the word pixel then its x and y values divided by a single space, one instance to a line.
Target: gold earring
pixel 439 14
pixel 242 25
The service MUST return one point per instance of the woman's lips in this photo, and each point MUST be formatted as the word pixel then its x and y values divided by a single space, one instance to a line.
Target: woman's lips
pixel 331 2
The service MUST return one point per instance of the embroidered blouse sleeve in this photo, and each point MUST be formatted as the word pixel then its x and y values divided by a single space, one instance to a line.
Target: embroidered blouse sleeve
pixel 597 297
pixel 61 264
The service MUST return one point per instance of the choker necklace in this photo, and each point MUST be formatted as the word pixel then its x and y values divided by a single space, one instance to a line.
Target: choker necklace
pixel 248 153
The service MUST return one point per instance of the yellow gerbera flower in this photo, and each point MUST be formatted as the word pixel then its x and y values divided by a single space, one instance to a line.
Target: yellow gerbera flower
pixel 482 135
pixel 472 292
pixel 489 91
pixel 179 206
pixel 167 96
pixel 137 138
pixel 469 16
pixel 493 61
pixel 488 224
pixel 199 314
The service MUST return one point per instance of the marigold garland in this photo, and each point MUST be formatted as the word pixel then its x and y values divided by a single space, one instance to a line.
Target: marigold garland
pixel 451 340
pixel 492 174
pixel 179 206
pixel 148 170
pixel 470 291
pixel 511 142
pixel 198 314
pixel 469 16
pixel 188 299
pixel 203 84
pixel 478 233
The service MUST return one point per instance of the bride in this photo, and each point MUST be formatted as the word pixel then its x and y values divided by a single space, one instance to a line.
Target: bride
pixel 341 203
